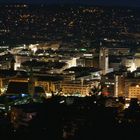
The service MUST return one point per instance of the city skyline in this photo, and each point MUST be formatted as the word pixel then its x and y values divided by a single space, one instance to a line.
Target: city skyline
pixel 69 70
pixel 131 3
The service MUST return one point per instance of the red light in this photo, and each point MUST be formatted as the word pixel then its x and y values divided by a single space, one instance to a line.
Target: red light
pixel 106 93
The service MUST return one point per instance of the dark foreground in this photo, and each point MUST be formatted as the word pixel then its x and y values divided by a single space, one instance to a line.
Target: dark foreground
pixel 80 120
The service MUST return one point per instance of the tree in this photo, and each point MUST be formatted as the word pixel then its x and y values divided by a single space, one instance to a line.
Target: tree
pixel 96 90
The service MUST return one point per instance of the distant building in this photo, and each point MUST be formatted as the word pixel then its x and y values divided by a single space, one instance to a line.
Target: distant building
pixel 115 63
pixel 10 75
pixel 137 59
pixel 50 45
pixel 74 88
pixel 44 67
pixel 119 51
pixel 70 61
pixel 130 63
pixel 88 62
pixel 114 84
pixel 51 84
pixel 134 91
pixel 132 87
pixel 17 88
pixel 7 61
pixel 88 73
pixel 19 59
pixel 119 85
pixel 103 60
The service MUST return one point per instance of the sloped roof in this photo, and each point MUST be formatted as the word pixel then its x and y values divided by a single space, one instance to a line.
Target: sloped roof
pixel 81 69
pixel 11 73
pixel 48 65
pixel 17 88
pixel 49 78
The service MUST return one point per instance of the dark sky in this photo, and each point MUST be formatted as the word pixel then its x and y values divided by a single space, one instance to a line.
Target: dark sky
pixel 96 2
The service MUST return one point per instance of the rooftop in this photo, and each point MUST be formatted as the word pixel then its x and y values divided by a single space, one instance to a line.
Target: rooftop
pixel 17 88
pixel 82 69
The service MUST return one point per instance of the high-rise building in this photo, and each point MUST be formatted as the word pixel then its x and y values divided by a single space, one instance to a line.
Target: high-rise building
pixel 119 85
pixel 103 60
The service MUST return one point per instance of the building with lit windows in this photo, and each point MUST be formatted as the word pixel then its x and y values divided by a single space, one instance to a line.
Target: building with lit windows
pixel 76 88
pixel 134 91
pixel 19 59
pixel 88 62
pixel 114 84
pixel 119 51
pixel 10 75
pixel 103 60
pixel 7 61
pixel 51 84
pixel 119 85
pixel 132 87
pixel 130 63
pixel 137 59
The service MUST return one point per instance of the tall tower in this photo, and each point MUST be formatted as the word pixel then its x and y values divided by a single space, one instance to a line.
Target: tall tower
pixel 31 82
pixel 103 60
pixel 119 87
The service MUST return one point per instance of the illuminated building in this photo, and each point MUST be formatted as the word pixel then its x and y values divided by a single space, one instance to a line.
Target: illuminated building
pixel 103 60
pixel 7 61
pixel 129 63
pixel 20 59
pixel 81 62
pixel 119 85
pixel 1 86
pixel 88 62
pixel 119 51
pixel 44 67
pixel 132 87
pixel 44 46
pixel 69 76
pixel 114 84
pixel 71 61
pixel 79 80
pixel 137 59
pixel 134 91
pixel 88 73
pixel 8 75
pixel 49 86
pixel 78 88
pixel 50 83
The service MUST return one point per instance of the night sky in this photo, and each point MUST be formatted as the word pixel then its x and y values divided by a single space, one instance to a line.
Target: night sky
pixel 94 2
